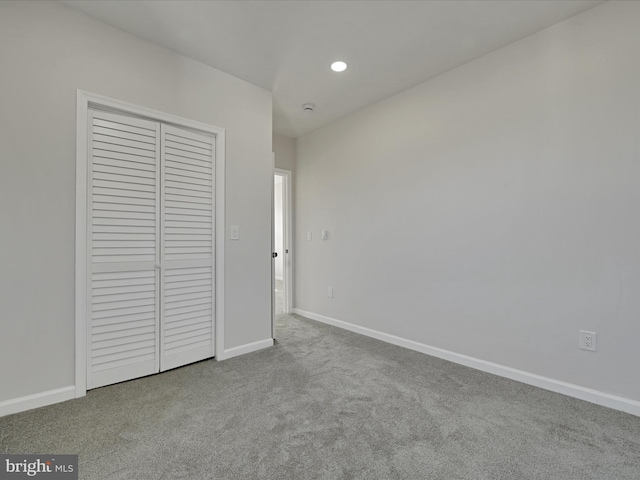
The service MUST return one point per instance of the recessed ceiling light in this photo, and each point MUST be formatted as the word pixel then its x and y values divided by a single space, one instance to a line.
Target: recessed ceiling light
pixel 338 66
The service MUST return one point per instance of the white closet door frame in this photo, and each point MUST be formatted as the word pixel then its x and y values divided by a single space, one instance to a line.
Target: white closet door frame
pixel 85 101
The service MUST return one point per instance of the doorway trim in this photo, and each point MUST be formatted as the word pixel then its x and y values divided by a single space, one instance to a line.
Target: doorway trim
pixel 85 101
pixel 287 203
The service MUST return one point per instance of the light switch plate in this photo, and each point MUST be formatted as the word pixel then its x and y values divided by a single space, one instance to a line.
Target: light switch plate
pixel 325 234
pixel 309 235
pixel 235 232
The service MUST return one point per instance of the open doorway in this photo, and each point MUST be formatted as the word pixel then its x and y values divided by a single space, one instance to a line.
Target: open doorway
pixel 282 266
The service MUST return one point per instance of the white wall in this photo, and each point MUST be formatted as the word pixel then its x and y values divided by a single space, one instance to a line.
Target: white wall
pixel 284 150
pixel 494 210
pixel 47 52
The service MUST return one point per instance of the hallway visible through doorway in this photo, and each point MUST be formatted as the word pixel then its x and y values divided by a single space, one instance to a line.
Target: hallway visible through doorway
pixel 279 291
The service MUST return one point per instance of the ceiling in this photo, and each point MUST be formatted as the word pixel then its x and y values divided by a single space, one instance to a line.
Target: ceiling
pixel 287 46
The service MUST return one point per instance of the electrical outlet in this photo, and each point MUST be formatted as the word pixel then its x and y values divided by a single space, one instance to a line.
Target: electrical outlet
pixel 330 292
pixel 588 340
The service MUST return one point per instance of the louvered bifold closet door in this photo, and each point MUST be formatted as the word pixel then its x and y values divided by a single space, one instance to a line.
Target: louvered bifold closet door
pixel 187 285
pixel 124 248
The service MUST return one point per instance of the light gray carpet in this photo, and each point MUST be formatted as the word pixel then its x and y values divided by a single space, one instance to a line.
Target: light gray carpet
pixel 329 404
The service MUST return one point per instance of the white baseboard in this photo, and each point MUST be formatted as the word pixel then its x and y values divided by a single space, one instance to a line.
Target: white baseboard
pixel 242 349
pixel 576 391
pixel 17 405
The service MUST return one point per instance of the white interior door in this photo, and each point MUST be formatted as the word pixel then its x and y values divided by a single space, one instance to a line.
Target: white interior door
pixel 273 280
pixel 123 248
pixel 187 266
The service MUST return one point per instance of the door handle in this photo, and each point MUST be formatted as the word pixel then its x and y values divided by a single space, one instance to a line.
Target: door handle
pixel 274 254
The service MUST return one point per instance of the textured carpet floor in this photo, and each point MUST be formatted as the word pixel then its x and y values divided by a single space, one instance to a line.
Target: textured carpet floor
pixel 329 404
